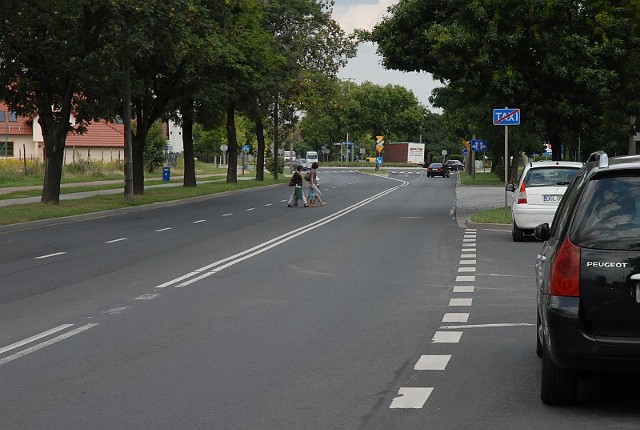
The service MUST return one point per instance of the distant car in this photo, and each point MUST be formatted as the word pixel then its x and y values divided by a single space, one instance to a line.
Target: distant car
pixel 437 169
pixel 538 194
pixel 454 165
pixel 588 279
pixel 302 162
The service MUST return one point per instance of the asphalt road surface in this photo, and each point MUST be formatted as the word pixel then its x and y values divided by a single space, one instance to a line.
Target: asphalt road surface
pixel 376 311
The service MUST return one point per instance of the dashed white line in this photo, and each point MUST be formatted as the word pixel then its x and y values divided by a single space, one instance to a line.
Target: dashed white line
pixel 460 302
pixel 465 262
pixel 50 255
pixel 432 362
pixel 120 239
pixel 229 214
pixel 411 397
pixel 466 269
pixel 465 278
pixel 250 209
pixel 199 221
pixel 447 337
pixel 452 317
pixel 163 229
pixel 463 289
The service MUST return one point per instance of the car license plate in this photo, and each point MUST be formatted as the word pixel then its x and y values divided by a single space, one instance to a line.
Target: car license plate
pixel 551 198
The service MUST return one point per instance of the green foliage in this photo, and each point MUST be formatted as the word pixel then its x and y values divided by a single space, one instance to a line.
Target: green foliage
pixel 268 164
pixel 154 150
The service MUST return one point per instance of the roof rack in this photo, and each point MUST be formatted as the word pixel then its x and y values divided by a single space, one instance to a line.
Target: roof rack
pixel 601 157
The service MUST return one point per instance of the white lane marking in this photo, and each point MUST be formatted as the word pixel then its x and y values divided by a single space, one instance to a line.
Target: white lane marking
pixel 465 278
pixel 199 221
pixel 410 217
pixel 463 289
pixel 151 296
pixel 116 311
pixel 455 317
pixel 467 262
pixel 270 204
pixel 447 336
pixel 468 240
pixel 467 255
pixel 460 302
pixel 219 265
pixel 250 209
pixel 33 338
pixel 466 269
pixel 229 214
pixel 163 229
pixel 116 240
pixel 49 255
pixel 495 325
pixel 432 362
pixel 45 344
pixel 468 245
pixel 469 236
pixel 411 397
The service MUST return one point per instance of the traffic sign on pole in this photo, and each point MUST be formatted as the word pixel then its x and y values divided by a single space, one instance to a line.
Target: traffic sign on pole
pixel 506 116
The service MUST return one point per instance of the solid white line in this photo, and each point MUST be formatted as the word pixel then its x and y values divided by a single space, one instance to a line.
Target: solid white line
pixel 163 229
pixel 49 255
pixel 432 362
pixel 205 271
pixel 496 325
pixel 116 240
pixel 35 337
pixel 45 344
pixel 411 397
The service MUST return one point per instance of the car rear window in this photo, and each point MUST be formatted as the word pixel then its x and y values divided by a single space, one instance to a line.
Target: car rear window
pixel 550 176
pixel 607 214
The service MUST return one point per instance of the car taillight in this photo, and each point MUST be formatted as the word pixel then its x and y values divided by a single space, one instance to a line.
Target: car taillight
pixel 522 194
pixel 565 271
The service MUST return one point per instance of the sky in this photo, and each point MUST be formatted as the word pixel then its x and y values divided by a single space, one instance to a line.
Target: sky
pixel 366 66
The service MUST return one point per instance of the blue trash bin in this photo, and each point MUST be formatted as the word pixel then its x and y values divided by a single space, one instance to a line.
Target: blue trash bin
pixel 166 174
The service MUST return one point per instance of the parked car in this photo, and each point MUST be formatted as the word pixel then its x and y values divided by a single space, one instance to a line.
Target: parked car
pixel 588 278
pixel 454 165
pixel 539 190
pixel 437 169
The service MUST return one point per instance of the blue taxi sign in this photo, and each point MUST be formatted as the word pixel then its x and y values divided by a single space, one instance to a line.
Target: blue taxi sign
pixel 506 116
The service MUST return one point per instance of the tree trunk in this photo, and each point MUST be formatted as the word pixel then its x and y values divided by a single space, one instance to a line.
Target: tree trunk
pixel 126 119
pixel 232 169
pixel 276 140
pixel 189 155
pixel 54 159
pixel 553 134
pixel 261 150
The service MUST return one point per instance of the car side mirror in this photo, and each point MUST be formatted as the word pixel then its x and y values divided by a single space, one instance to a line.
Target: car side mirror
pixel 542 231
pixel 510 187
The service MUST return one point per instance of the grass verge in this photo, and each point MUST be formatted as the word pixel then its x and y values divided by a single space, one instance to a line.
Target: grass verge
pixel 492 216
pixel 36 211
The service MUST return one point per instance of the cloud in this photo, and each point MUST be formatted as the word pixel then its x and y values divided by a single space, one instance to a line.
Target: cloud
pixel 367 65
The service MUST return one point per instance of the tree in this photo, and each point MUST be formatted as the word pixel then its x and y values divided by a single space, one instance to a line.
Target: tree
pixel 546 57
pixel 54 65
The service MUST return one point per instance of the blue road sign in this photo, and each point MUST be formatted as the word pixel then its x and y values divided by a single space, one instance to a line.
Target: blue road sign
pixel 464 151
pixel 245 148
pixel 478 144
pixel 506 116
pixel 378 160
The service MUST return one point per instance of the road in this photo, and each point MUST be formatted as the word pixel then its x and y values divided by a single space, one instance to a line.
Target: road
pixel 376 311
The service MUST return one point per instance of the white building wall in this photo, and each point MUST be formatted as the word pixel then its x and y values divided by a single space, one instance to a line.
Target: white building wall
pixel 175 137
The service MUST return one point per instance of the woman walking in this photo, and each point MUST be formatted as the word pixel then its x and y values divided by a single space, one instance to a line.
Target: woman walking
pixel 313 186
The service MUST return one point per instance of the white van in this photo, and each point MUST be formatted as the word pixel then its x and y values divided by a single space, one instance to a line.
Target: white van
pixel 312 156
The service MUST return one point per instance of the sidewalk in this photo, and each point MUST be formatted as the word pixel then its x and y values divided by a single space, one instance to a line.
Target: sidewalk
pixel 472 198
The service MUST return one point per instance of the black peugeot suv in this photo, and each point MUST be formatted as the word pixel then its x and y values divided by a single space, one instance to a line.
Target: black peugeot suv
pixel 588 278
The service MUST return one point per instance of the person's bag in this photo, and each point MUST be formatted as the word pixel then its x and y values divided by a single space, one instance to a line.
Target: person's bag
pixel 307 177
pixel 298 192
pixel 291 182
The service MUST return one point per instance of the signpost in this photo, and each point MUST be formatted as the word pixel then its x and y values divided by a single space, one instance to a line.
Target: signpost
pixel 506 117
